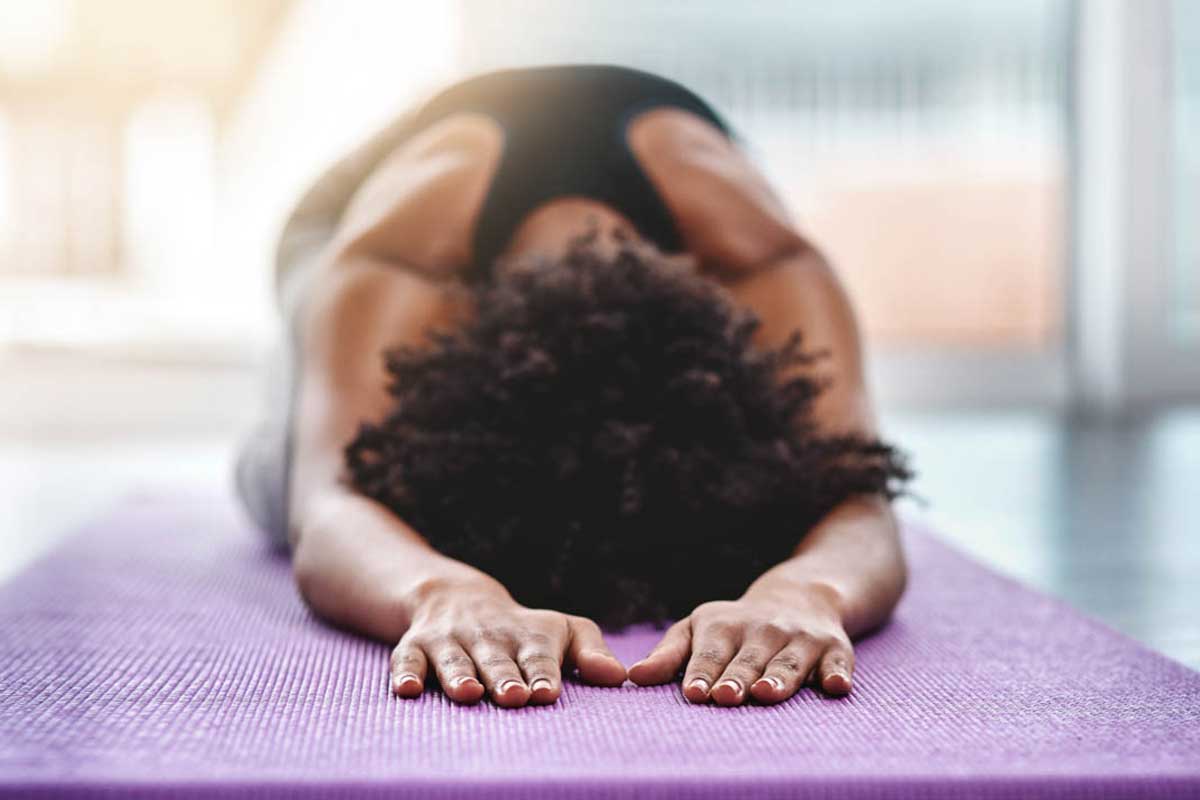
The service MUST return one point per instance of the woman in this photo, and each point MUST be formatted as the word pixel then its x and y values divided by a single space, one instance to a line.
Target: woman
pixel 593 404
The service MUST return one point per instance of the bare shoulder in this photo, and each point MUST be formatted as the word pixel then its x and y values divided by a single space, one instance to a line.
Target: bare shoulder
pixel 727 213
pixel 418 207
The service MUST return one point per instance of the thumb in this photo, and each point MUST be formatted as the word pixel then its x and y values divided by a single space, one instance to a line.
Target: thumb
pixel 589 653
pixel 666 658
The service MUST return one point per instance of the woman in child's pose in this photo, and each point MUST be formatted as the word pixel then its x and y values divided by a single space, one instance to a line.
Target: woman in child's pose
pixel 593 408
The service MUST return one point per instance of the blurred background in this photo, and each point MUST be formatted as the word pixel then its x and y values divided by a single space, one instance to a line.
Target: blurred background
pixel 1011 190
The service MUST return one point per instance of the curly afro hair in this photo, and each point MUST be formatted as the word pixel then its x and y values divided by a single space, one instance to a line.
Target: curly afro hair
pixel 603 439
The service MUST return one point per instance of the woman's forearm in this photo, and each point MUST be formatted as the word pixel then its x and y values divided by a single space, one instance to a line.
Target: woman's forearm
pixel 853 557
pixel 356 563
pixel 853 554
pixel 361 567
pixel 794 623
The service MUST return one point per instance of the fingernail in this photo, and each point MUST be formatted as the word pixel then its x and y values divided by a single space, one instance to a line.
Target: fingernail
pixel 504 687
pixel 699 683
pixel 541 685
pixel 405 681
pixel 462 681
pixel 770 681
pixel 733 685
pixel 839 680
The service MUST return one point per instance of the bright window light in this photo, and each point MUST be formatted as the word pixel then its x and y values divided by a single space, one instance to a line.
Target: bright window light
pixel 170 192
pixel 6 181
pixel 31 33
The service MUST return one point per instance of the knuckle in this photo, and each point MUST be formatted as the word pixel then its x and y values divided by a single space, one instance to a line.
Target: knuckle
pixel 712 607
pixel 708 655
pixel 810 640
pixel 488 634
pixel 803 637
pixel 767 630
pixel 415 637
pixel 405 657
pixel 436 638
pixel 750 657
pixel 841 657
pixel 828 642
pixel 453 659
pixel 536 639
pixel 492 660
pixel 785 663
pixel 722 628
pixel 838 648
pixel 539 660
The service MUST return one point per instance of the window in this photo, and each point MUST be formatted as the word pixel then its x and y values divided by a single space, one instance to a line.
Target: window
pixel 1184 314
pixel 170 153
pixel 922 144
pixel 7 228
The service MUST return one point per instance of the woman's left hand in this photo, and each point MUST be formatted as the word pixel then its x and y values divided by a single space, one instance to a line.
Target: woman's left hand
pixel 766 644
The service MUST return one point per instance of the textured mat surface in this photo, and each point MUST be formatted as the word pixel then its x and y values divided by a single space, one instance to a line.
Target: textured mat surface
pixel 162 653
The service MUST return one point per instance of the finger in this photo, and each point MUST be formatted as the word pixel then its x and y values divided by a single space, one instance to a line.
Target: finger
pixel 455 671
pixel 501 676
pixel 588 652
pixel 667 657
pixel 747 666
pixel 712 647
pixel 836 669
pixel 540 659
pixel 787 670
pixel 408 670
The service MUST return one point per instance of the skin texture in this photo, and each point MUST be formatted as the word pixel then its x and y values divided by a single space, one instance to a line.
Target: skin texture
pixel 389 274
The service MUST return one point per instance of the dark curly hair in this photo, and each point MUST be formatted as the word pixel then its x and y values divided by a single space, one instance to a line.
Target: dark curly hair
pixel 603 439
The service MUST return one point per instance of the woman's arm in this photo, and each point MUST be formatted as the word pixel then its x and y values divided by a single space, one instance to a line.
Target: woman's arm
pixel 380 284
pixel 847 573
pixel 361 567
pixel 854 550
pixel 354 312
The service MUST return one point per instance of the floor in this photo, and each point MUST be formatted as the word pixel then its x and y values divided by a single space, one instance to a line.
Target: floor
pixel 1104 516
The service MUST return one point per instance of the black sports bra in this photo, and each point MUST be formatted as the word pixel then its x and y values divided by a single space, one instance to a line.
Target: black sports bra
pixel 565 134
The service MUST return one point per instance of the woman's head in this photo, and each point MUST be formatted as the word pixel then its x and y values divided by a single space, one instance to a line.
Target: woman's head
pixel 603 438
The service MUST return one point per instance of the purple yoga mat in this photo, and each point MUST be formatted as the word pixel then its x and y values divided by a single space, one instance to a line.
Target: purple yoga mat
pixel 162 652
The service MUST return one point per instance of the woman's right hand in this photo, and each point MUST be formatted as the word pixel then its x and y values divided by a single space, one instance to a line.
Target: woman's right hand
pixel 476 638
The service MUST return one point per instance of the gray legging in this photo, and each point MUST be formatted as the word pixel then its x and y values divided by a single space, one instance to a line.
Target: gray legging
pixel 264 458
pixel 263 464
